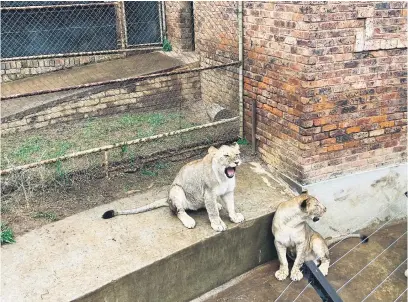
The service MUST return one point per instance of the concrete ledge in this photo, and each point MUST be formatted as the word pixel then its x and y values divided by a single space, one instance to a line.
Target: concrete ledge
pixel 145 257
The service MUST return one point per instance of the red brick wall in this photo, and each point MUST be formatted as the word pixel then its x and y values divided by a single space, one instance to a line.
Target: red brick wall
pixel 327 105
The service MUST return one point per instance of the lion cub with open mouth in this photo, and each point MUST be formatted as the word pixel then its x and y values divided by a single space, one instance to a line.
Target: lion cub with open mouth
pixel 198 185
pixel 292 233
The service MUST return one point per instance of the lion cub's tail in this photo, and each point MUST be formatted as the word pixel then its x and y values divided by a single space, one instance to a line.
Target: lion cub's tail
pixel 151 206
pixel 363 238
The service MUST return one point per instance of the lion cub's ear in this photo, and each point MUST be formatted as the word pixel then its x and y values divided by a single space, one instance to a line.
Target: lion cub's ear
pixel 212 150
pixel 305 199
pixel 235 145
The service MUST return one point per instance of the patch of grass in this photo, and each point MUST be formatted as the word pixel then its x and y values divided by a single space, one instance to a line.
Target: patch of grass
pixel 46 215
pixel 28 147
pixel 7 235
pixel 86 134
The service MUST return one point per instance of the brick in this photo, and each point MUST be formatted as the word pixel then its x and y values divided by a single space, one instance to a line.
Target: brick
pixel 353 129
pixel 329 127
pixel 335 147
pixel 376 132
pixel 387 124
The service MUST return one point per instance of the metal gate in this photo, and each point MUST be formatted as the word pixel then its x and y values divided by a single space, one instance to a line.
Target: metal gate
pixel 46 28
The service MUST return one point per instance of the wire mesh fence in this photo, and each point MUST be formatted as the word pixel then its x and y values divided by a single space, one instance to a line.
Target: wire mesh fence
pixel 59 122
pixel 58 27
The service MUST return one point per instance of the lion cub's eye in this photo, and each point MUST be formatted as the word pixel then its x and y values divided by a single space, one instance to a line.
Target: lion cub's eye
pixel 226 155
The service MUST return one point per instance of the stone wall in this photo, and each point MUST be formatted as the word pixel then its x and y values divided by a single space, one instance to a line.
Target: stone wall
pixel 329 79
pixel 148 95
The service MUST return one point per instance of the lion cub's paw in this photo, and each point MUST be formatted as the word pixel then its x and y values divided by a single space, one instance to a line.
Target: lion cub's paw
pixel 282 273
pixel 324 270
pixel 188 222
pixel 219 206
pixel 237 218
pixel 218 225
pixel 296 275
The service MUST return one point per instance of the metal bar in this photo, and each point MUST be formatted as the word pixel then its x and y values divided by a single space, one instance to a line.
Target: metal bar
pixel 146 44
pixel 137 78
pixel 320 283
pixel 124 24
pixel 241 68
pixel 99 52
pixel 58 6
pixel 164 20
pixel 253 135
pixel 117 145
pixel 119 26
pixel 192 26
pixel 159 5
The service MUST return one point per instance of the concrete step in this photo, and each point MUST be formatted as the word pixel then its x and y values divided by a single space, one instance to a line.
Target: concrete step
pixel 145 257
pixel 260 283
pixel 141 64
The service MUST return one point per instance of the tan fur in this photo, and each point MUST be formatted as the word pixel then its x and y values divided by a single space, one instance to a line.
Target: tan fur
pixel 294 235
pixel 198 185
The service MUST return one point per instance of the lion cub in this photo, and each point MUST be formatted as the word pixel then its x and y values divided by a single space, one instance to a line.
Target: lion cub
pixel 292 233
pixel 198 185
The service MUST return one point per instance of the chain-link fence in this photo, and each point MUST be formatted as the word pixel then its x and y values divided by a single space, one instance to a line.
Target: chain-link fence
pixel 92 88
pixel 52 28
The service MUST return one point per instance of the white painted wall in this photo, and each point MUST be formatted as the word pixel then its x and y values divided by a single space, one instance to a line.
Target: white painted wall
pixel 359 200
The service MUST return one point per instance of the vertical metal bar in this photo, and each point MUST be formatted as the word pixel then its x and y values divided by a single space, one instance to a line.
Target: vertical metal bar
pixel 253 134
pixel 106 164
pixel 192 27
pixel 241 69
pixel 124 24
pixel 320 283
pixel 160 6
pixel 119 25
pixel 164 20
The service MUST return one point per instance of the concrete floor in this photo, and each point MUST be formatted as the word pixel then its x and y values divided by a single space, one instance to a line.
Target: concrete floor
pixel 260 284
pixel 142 257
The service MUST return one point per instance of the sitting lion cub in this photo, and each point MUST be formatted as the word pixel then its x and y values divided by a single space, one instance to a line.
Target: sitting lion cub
pixel 291 232
pixel 197 185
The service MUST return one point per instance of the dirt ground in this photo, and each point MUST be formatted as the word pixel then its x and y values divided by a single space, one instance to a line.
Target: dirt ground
pixel 24 211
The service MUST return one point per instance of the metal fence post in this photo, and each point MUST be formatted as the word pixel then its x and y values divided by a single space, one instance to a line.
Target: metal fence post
pixel 121 24
pixel 320 283
pixel 241 69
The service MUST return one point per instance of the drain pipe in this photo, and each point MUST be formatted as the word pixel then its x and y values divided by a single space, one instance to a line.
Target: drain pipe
pixel 253 126
pixel 241 68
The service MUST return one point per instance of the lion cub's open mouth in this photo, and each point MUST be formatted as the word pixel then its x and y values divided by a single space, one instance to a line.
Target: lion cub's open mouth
pixel 230 172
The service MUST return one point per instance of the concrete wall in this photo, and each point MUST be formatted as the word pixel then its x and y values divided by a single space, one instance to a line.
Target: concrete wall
pixel 356 201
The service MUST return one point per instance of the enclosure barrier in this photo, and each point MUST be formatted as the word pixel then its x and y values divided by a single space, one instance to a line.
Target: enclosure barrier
pixel 95 13
pixel 117 145
pixel 122 80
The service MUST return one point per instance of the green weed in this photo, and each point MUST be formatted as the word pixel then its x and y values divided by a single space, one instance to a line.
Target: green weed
pixel 166 45
pixel 7 235
pixel 242 142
